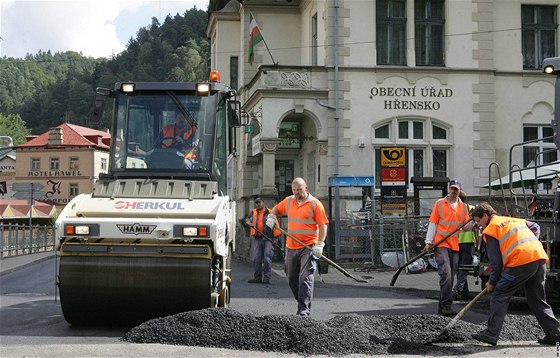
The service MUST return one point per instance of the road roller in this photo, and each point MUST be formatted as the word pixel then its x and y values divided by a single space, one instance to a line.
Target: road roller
pixel 156 234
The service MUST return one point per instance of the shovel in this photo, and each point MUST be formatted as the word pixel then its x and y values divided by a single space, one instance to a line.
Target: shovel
pixel 458 316
pixel 396 274
pixel 329 261
pixel 266 237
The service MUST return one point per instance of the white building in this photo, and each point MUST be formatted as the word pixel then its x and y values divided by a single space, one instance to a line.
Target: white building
pixel 456 82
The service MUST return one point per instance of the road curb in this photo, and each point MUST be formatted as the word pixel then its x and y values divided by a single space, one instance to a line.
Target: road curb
pixel 12 264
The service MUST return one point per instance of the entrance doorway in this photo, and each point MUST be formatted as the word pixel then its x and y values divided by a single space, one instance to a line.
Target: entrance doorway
pixel 284 175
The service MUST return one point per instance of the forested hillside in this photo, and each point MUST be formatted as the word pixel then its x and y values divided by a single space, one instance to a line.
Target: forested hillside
pixel 47 89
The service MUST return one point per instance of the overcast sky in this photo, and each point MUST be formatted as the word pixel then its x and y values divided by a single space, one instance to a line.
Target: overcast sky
pixel 97 28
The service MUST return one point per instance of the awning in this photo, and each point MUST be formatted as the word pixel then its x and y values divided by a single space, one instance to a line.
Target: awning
pixel 526 177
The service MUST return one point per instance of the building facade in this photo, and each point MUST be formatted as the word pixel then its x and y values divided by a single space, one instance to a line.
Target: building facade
pixel 63 162
pixel 455 83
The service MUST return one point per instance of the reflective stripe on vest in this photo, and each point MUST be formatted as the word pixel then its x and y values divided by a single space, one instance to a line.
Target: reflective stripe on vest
pixel 518 244
pixel 169 132
pixel 449 223
pixel 308 221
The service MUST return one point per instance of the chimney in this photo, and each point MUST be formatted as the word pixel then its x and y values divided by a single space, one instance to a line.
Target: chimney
pixel 55 136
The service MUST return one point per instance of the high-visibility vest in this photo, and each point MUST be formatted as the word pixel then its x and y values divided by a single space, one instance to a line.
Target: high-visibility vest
pixel 448 219
pixel 467 237
pixel 303 220
pixel 518 244
pixel 169 132
pixel 258 219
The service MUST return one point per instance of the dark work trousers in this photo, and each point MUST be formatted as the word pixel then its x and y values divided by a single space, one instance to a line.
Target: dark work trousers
pixel 531 277
pixel 466 251
pixel 447 262
pixel 300 269
pixel 263 250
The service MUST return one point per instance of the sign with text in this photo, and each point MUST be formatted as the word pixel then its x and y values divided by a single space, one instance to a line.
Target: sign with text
pixel 393 157
pixel 395 176
pixel 393 208
pixel 27 187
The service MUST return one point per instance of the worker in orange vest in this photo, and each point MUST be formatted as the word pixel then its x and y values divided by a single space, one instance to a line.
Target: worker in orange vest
pixel 263 247
pixel 448 214
pixel 517 259
pixel 180 135
pixel 307 222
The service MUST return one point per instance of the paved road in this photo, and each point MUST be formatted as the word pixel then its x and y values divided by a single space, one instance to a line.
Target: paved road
pixel 50 336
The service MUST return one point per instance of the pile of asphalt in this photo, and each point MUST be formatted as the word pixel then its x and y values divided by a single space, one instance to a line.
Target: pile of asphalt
pixel 341 335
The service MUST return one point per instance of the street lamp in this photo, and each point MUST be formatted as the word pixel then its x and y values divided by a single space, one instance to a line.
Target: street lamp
pixel 551 66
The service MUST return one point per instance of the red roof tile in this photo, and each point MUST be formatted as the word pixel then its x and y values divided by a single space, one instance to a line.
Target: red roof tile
pixel 73 135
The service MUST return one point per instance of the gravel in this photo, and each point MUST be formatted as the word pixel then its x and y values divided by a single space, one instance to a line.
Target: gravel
pixel 341 335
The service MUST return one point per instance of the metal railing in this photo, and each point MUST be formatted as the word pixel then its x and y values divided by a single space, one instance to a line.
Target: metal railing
pixel 19 239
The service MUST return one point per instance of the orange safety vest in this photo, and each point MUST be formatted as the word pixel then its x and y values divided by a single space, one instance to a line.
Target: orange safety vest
pixel 303 220
pixel 518 244
pixel 258 219
pixel 447 219
pixel 169 132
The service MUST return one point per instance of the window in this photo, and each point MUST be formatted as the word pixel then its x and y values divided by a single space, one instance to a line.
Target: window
pixel 35 164
pixel 391 32
pixel 233 71
pixel 538 31
pixel 427 151
pixel 54 164
pixel 542 152
pixel 314 39
pixel 73 163
pixel 290 135
pixel 429 29
pixel 411 129
pixel 73 190
pixel 104 164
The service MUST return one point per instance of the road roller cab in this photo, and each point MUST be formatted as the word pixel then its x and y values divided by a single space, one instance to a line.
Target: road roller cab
pixel 155 236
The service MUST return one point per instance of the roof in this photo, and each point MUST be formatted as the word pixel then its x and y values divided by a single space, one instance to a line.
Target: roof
pixel 7 152
pixel 15 208
pixel 72 136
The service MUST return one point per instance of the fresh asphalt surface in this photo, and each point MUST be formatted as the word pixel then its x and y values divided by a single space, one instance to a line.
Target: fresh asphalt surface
pixel 374 297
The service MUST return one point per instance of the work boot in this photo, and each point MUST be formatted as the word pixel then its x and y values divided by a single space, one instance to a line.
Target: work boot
pixel 255 280
pixel 446 311
pixel 550 339
pixel 485 337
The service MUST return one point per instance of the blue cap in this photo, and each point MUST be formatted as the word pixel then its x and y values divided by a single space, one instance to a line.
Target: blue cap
pixel 455 183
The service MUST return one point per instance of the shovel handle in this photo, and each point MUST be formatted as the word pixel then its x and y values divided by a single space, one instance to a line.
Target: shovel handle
pixel 462 312
pixel 329 261
pixel 435 244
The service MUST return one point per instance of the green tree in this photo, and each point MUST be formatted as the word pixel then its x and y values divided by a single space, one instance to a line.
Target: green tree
pixel 12 125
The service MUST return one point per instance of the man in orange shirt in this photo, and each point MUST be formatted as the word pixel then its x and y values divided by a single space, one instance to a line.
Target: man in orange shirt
pixel 179 135
pixel 448 214
pixel 307 222
pixel 518 260
pixel 263 248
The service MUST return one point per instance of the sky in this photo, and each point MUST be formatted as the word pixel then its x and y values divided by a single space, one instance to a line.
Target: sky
pixel 99 28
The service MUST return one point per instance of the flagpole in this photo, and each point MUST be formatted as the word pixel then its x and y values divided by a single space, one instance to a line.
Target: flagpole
pixel 274 62
pixel 262 35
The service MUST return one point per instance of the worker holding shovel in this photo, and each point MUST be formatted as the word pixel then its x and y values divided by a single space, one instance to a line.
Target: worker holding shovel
pixel 264 239
pixel 448 214
pixel 518 260
pixel 307 222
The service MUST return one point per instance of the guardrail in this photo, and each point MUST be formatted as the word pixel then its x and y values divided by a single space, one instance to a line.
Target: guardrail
pixel 19 239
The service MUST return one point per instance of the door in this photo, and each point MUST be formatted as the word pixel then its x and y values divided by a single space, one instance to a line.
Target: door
pixel 283 177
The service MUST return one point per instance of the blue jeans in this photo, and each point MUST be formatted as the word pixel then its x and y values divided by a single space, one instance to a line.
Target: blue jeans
pixel 263 251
